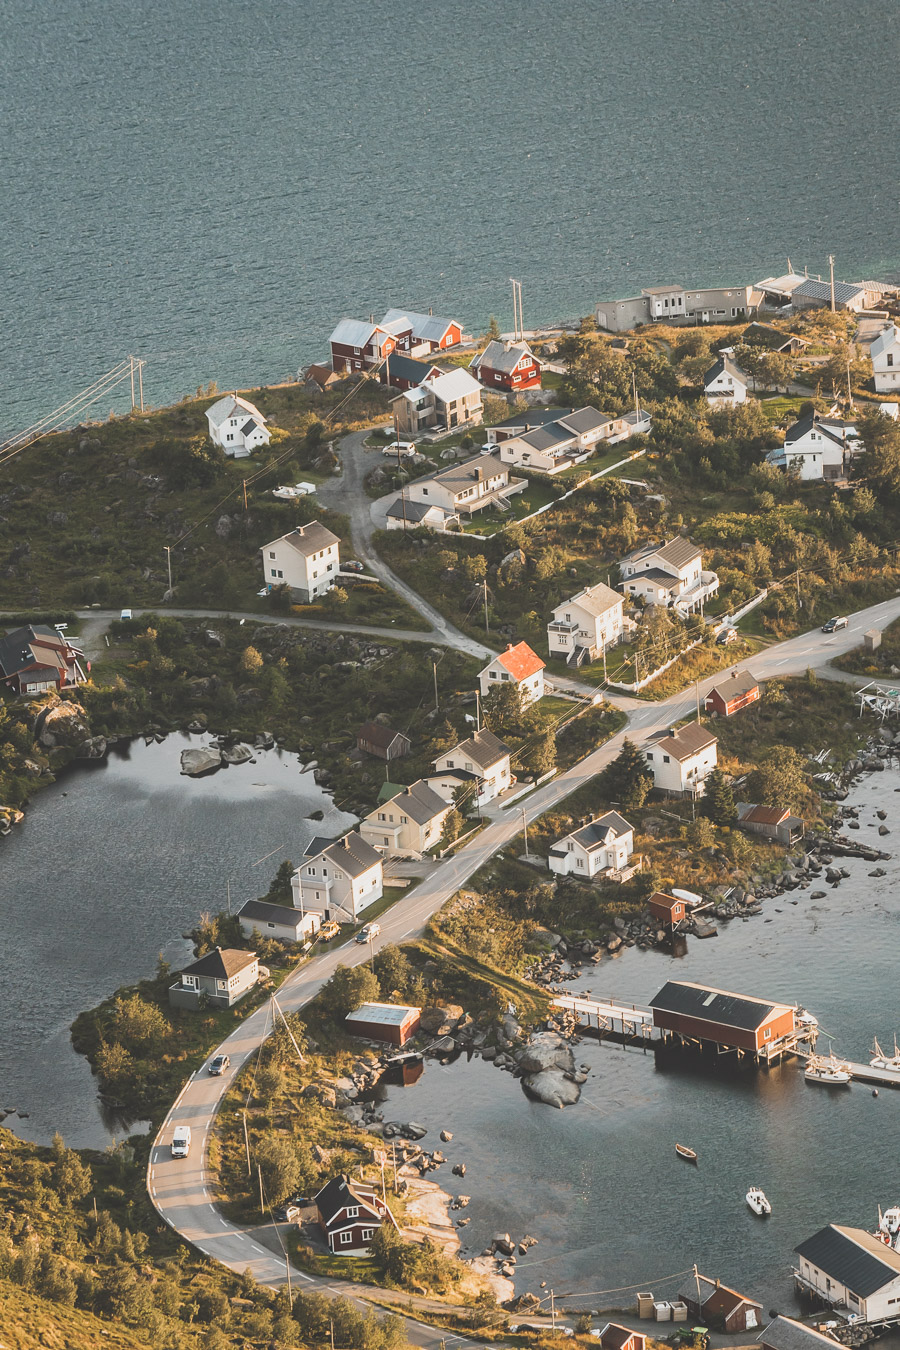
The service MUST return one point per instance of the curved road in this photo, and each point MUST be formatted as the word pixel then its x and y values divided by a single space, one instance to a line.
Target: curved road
pixel 180 1189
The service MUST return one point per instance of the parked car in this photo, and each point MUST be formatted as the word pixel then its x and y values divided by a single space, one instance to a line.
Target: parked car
pixel 832 626
pixel 218 1065
pixel 353 566
pixel 726 635
pixel 126 614
pixel 369 933
pixel 329 930
pixel 181 1141
pixel 405 449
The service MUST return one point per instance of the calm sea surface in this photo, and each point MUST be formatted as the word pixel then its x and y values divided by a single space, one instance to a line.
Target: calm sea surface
pixel 113 863
pixel 212 186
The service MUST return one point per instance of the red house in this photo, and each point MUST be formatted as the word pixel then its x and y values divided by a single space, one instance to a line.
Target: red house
pixel 737 1021
pixel 429 332
pixel 37 658
pixel 668 909
pixel 392 1023
pixel 349 1214
pixel 615 1337
pixel 731 695
pixel 358 345
pixel 509 366
pixel 722 1307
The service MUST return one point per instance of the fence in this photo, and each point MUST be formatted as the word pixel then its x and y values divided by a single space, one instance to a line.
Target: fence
pixel 648 679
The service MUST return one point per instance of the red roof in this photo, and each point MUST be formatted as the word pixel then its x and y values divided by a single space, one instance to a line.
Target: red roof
pixel 520 661
pixel 766 815
pixel 663 901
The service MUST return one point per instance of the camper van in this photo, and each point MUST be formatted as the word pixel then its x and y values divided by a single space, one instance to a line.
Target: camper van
pixel 181 1141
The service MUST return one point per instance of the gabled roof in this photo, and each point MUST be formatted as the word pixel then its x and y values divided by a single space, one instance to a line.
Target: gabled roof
pixel 584 420
pixel 457 477
pixel 340 1192
pixel 723 1302
pixel 418 801
pixel 724 366
pixel 520 661
pixel 35 644
pixel 353 333
pixel 832 428
pixel 403 367
pixel 502 356
pixel 321 374
pixel 708 1004
pixel 529 418
pixel 844 291
pixel 597 832
pixel 378 734
pixel 664 901
pixel 411 512
pixel 307 539
pixel 764 335
pixel 548 437
pixel 594 600
pixel 885 341
pixel 853 1258
pixel 678 552
pixel 786 1334
pixel 251 425
pixel 221 963
pixel 686 741
pixel 427 327
pixel 482 748
pixel 264 912
pixel 750 813
pixel 783 285
pixel 741 682
pixel 615 1336
pixel 351 854
pixel 232 405
pixel 453 385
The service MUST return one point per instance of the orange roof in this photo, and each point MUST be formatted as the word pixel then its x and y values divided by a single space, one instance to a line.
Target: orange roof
pixel 766 815
pixel 520 661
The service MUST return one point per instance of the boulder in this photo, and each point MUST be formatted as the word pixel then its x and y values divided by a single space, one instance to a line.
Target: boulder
pixel 446 1136
pixel 205 760
pixel 212 639
pixel 414 1131
pixel 237 754
pixel 545 1052
pixel 552 1088
pixel 323 1093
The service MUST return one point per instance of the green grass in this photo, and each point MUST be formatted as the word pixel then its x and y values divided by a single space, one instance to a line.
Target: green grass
pixel 368 603
pixel 388 899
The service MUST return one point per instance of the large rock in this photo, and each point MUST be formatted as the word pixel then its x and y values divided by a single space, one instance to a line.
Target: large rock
pixel 546 1052
pixel 205 760
pixel 237 754
pixel 553 1088
pixel 440 1021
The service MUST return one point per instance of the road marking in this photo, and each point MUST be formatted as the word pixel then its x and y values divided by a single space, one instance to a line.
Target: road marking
pixel 406 934
pixel 306 1277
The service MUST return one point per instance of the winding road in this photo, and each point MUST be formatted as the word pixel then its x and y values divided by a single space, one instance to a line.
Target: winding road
pixel 181 1189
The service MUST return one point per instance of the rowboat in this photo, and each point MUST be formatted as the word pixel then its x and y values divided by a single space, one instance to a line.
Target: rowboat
pixel 687 1153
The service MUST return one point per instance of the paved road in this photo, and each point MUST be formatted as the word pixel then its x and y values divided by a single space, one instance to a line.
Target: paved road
pixel 180 1189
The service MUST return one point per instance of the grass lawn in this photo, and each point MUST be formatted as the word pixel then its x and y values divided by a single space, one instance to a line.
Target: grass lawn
pixel 389 898
pixel 368 603
pixel 783 405
pixel 492 521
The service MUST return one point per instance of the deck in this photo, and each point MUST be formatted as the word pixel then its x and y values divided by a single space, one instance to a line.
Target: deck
pixel 607 1015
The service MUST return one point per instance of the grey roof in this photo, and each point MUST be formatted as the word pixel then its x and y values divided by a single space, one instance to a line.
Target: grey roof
pixel 340 1192
pixel 884 341
pixel 596 832
pixel 483 748
pixel 547 437
pixel 265 912
pixel 585 419
pixel 221 963
pixel 378 734
pixel 411 511
pixel 741 682
pixel 655 574
pixel 844 291
pixel 308 539
pixel 686 741
pixel 764 335
pixel 388 1014
pixel 418 801
pixel 502 356
pixel 16 652
pixel 403 367
pixel 786 1334
pixel 594 600
pixel 707 1004
pixel 529 418
pixel 460 476
pixel 677 552
pixel 724 366
pixel 352 333
pixel 352 854
pixel 427 327
pixel 830 427
pixel 248 427
pixel 853 1258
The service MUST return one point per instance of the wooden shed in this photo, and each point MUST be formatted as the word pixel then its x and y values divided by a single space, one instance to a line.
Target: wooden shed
pixel 389 1022
pixel 700 1012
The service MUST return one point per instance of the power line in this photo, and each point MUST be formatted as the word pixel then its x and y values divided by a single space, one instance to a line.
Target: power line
pixel 73 408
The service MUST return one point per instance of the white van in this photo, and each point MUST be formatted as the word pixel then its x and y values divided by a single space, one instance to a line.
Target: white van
pixel 181 1141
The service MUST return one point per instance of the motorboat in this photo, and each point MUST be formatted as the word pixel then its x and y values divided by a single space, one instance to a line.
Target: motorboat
pixel 688 1154
pixel 888 1230
pixel 756 1199
pixel 882 1061
pixel 805 1020
pixel 828 1070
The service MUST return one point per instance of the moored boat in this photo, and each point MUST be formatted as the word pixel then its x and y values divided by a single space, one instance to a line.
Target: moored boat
pixel 828 1070
pixel 880 1060
pixel 756 1199
pixel 688 1154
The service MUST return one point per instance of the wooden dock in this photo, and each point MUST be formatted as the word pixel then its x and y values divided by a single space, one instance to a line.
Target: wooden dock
pixel 605 1015
pixel 864 1073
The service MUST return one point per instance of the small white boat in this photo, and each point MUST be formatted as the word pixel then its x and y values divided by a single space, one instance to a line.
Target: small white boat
pixel 757 1201
pixel 888 1230
pixel 882 1061
pixel 805 1020
pixel 828 1070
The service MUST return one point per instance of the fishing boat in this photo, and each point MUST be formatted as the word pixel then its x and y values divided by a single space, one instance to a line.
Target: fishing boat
pixel 888 1230
pixel 805 1020
pixel 828 1070
pixel 688 1154
pixel 756 1199
pixel 882 1061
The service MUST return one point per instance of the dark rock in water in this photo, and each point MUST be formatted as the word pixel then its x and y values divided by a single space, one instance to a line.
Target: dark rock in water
pixel 883 829
pixel 316 815
pixel 879 872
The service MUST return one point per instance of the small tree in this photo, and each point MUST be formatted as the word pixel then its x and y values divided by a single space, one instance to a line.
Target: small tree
pixel 717 802
pixel 700 833
pixel 453 827
pixel 336 598
pixel 627 780
pixel 493 329
pixel 251 661
pixel 280 1166
pixel 72 1179
pixel 778 779
pixel 348 987
pixel 503 707
pixel 280 891
pixel 540 756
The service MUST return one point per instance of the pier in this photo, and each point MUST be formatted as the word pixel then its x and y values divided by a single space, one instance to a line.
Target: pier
pixel 605 1015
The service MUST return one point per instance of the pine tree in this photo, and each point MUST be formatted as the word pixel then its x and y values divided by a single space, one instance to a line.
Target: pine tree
pixel 717 802
pixel 627 780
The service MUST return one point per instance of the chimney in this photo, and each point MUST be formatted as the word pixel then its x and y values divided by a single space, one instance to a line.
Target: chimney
pixel 478 475
pixel 346 841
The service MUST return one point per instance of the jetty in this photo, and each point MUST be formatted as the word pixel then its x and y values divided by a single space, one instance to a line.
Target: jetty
pixel 606 1016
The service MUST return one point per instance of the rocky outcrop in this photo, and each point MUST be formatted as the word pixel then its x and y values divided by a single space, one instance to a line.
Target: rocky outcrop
pixel 553 1088
pixel 204 760
pixel 237 754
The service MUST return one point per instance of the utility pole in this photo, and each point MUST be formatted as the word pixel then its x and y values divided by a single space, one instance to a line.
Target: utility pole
pixel 168 548
pixel 697 688
pixel 245 496
pixel 141 383
pixel 515 310
pixel 525 828
pixel 262 1207
pixel 552 1310
pixel 487 626
pixel 436 700
pixel 247 1145
pixel 131 360
pixel 697 1278
pixel 831 265
pixel 477 709
pixel 518 321
pixel 799 600
pixel 228 895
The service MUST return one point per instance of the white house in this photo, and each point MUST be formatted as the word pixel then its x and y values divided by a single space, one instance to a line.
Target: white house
pixel 584 627
pixel 849 1268
pixel 518 665
pixel 445 402
pixel 682 760
pixel 574 436
pixel 724 384
pixel 603 845
pixel 464 489
pixel 410 821
pixel 340 876
pixel 306 559
pixel 237 426
pixel 406 515
pixel 671 575
pixel 484 759
pixel 278 921
pixel 818 447
pixel 885 354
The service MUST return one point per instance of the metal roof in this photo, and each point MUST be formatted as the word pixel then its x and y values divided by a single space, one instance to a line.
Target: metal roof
pixel 269 913
pixel 353 333
pixel 411 512
pixel 427 327
pixel 821 290
pixel 386 1014
pixel 708 1004
pixel 230 406
pixel 502 356
pixel 786 1334
pixel 307 539
pixel 852 1257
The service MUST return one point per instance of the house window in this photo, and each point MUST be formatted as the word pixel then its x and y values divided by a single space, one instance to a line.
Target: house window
pixel 346 1239
pixel 367 1234
pixel 768 1033
pixel 649 754
pixel 353 1211
pixel 493 675
pixel 271 555
pixel 274 573
pixel 665 759
pixel 229 437
pixel 890 358
pixel 404 820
